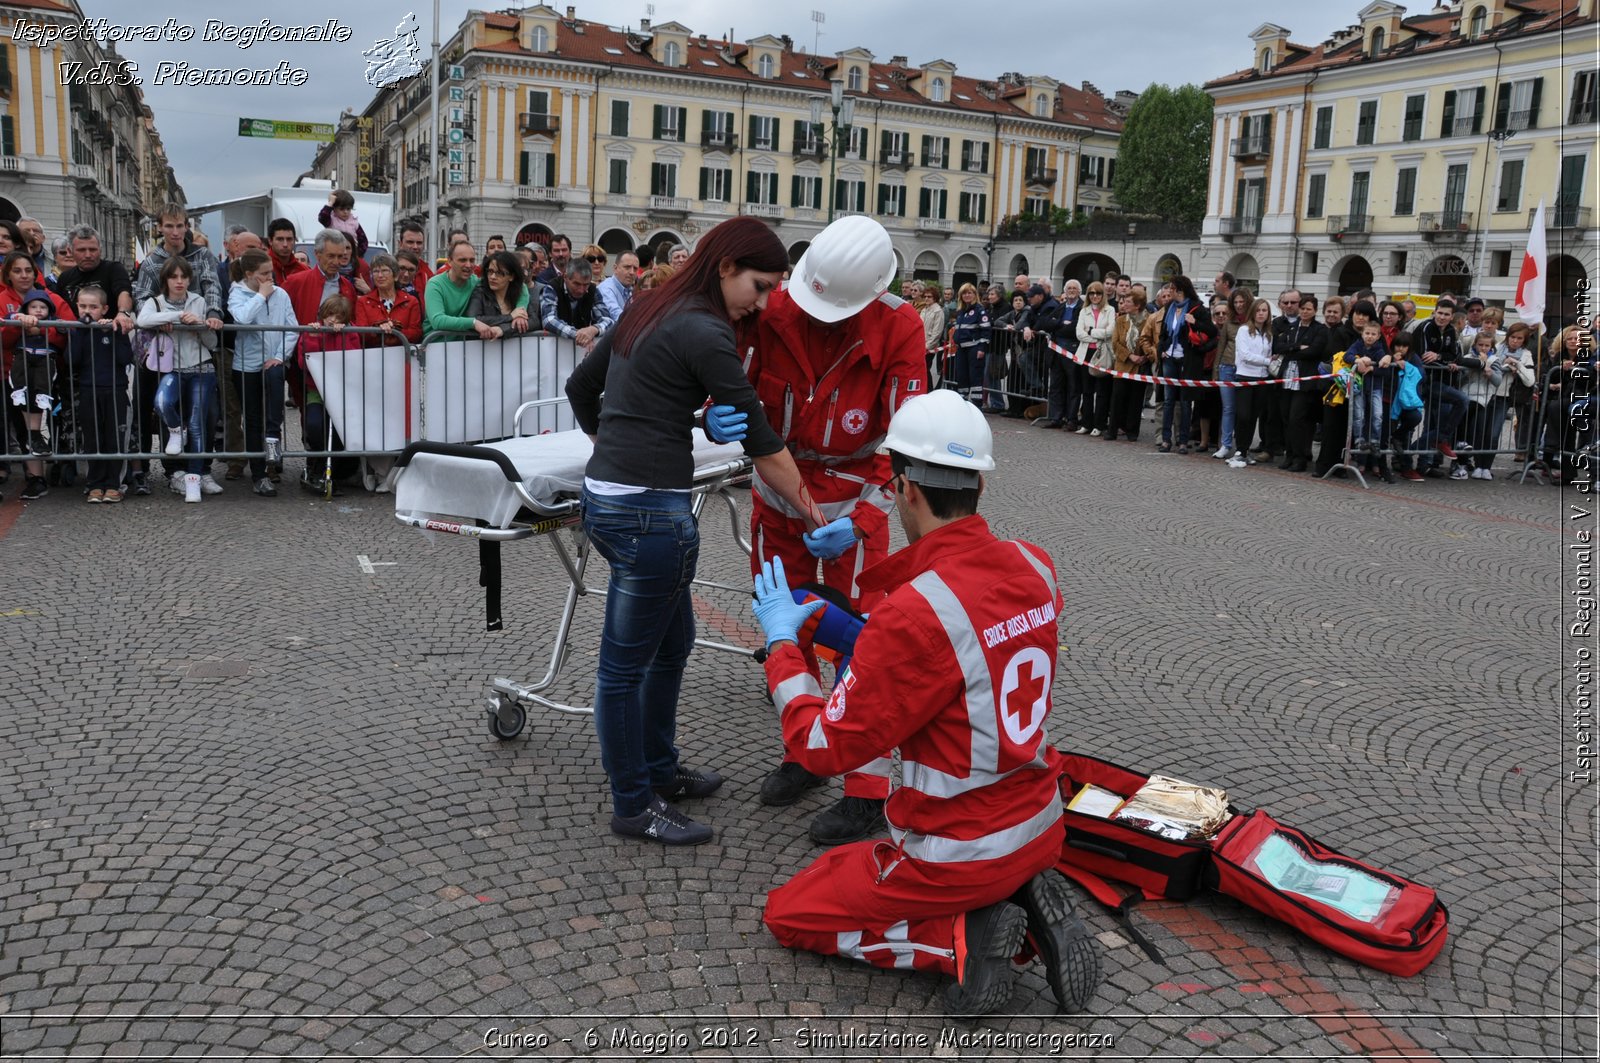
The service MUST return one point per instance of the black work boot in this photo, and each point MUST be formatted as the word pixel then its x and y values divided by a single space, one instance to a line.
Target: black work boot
pixel 1065 946
pixel 850 820
pixel 788 784
pixel 985 973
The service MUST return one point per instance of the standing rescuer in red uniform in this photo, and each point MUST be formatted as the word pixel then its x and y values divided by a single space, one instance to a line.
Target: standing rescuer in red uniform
pixel 834 355
pixel 953 668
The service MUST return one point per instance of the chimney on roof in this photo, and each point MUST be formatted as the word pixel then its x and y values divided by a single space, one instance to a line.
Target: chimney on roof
pixel 702 40
pixel 1088 86
pixel 897 60
pixel 644 25
pixel 788 42
pixel 572 12
pixel 1125 100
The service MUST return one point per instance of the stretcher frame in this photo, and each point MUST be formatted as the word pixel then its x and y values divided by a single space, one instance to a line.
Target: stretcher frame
pixel 507 716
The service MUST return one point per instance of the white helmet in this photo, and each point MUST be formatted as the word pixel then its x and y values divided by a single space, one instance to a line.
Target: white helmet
pixel 946 438
pixel 848 265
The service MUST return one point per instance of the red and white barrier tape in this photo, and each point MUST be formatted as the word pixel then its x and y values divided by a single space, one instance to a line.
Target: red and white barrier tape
pixel 1185 382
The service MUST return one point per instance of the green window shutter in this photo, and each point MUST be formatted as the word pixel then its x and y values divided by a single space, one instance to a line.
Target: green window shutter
pixel 983 207
pixel 839 195
pixel 751 187
pixel 816 192
pixel 750 141
pixel 550 171
pixel 794 190
pixel 1533 103
pixel 705 125
pixel 861 196
pixel 1477 113
pixel 944 153
pixel 705 181
pixel 1502 105
pixel 966 153
pixel 1449 113
pixel 523 169
pixel 883 139
pixel 655 122
pixel 619 118
pixel 883 199
pixel 8 133
pixel 683 123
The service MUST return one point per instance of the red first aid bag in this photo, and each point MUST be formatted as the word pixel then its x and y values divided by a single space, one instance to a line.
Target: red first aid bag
pixel 1368 915
pixel 1111 849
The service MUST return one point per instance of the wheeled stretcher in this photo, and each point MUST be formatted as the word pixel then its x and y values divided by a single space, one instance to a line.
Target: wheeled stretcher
pixel 529 486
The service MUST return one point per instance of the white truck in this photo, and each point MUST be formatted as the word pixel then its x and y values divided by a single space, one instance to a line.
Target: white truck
pixel 300 204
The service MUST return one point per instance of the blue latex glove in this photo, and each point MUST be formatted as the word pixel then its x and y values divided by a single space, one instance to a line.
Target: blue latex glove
pixel 724 424
pixel 775 608
pixel 831 540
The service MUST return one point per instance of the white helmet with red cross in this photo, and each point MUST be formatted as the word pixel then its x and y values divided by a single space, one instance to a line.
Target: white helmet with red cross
pixel 848 265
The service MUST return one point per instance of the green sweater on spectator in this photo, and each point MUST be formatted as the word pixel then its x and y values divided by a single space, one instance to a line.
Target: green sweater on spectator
pixel 447 303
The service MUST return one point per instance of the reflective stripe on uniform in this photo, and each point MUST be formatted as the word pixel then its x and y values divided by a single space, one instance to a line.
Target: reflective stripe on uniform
pixel 816 739
pixel 794 687
pixel 896 939
pixel 935 849
pixel 831 511
pixel 864 451
pixel 982 711
pixel 1039 567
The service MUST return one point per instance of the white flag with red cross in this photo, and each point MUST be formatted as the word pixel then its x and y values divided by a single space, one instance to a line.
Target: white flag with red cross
pixel 1531 281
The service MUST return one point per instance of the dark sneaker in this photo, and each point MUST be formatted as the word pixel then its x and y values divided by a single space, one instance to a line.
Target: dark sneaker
pixel 235 471
pixel 139 484
pixel 788 784
pixel 985 976
pixel 35 488
pixel 690 783
pixel 1447 450
pixel 38 443
pixel 1065 947
pixel 661 823
pixel 265 489
pixel 852 819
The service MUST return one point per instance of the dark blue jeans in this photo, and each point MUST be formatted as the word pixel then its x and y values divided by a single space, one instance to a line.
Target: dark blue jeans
pixel 652 543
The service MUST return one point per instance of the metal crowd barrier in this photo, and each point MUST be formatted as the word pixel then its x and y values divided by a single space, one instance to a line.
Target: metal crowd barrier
pixel 353 410
pixel 1016 372
pixel 1574 446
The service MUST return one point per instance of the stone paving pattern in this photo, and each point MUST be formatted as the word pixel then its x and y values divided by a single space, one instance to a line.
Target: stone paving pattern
pixel 251 807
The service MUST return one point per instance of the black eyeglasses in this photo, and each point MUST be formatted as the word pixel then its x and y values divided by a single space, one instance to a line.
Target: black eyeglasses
pixel 595 258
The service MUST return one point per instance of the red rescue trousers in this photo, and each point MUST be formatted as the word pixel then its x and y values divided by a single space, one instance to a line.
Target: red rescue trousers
pixel 856 901
pixel 774 535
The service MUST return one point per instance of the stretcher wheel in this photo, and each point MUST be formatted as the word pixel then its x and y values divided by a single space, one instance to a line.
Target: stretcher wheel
pixel 506 717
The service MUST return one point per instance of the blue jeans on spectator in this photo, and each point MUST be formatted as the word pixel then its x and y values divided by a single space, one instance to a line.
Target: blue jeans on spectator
pixel 189 401
pixel 1488 422
pixel 652 543
pixel 1367 412
pixel 1445 406
pixel 1176 396
pixel 1227 374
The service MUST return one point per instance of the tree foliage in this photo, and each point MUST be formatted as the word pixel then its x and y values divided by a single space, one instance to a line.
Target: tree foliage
pixel 1164 157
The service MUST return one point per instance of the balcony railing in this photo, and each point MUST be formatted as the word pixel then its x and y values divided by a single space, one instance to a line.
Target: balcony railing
pixel 1041 175
pixel 763 210
pixel 1241 228
pixel 669 205
pixel 719 140
pixel 530 123
pixel 13 164
pixel 1462 125
pixel 974 166
pixel 82 171
pixel 894 160
pixel 1250 147
pixel 810 149
pixel 935 162
pixel 1450 226
pixel 1583 113
pixel 537 194
pixel 1350 228
pixel 937 226
pixel 1564 216
pixel 1516 122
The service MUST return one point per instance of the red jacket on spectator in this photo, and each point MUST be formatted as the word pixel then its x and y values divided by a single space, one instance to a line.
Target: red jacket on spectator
pixel 283 269
pixel 406 315
pixel 305 293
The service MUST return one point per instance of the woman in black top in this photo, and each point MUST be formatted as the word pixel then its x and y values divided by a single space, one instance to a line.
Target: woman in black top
pixel 673 348
pixel 500 304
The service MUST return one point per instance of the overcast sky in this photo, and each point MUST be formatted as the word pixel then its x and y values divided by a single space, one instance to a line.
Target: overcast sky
pixel 1126 44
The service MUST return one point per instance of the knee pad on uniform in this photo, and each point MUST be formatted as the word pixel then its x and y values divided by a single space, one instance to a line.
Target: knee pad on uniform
pixel 19 397
pixel 44 402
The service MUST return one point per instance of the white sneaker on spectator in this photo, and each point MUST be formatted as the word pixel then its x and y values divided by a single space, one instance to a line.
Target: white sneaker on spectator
pixel 1223 452
pixel 1236 462
pixel 175 483
pixel 174 441
pixel 1459 472
pixel 1094 433
pixel 209 486
pixel 191 486
pixel 1488 474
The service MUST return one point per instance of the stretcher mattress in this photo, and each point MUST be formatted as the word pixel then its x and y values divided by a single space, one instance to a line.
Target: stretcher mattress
pixel 551 468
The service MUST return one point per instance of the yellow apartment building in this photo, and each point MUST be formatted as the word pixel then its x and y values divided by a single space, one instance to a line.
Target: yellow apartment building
pixel 73 151
pixel 635 137
pixel 1407 153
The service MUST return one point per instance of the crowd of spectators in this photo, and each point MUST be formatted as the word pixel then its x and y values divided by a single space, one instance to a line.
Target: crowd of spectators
pixel 160 379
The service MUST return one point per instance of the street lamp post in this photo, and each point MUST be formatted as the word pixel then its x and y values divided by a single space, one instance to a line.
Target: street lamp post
pixel 844 113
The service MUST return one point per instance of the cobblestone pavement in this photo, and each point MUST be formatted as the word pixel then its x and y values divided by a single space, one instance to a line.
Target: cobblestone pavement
pixel 251 808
